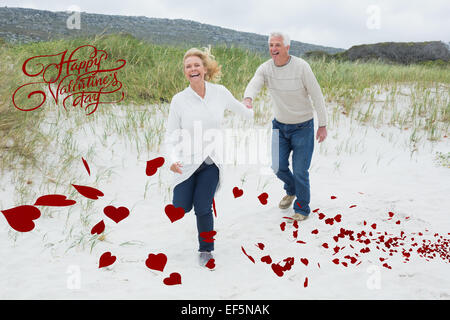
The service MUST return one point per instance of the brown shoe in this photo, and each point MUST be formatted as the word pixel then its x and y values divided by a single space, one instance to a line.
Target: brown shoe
pixel 286 201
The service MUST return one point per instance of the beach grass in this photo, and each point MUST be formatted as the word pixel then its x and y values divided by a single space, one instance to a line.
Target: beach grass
pixel 47 140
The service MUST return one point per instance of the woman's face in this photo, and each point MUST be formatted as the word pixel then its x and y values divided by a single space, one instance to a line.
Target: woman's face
pixel 194 70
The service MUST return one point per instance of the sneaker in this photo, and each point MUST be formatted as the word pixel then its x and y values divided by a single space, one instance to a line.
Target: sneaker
pixel 286 201
pixel 204 258
pixel 299 217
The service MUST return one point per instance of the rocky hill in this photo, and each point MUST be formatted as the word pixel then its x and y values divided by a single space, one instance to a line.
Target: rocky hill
pixel 27 25
pixel 400 52
pixel 436 52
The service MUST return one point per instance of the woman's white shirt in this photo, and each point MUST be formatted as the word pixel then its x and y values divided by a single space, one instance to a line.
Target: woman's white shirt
pixel 194 128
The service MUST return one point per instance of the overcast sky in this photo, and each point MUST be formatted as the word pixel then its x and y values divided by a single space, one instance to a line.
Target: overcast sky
pixel 335 23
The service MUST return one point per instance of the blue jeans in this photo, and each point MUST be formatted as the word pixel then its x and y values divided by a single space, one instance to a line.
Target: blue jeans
pixel 299 139
pixel 198 191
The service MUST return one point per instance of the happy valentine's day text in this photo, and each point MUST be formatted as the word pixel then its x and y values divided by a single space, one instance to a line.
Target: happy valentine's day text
pixel 77 78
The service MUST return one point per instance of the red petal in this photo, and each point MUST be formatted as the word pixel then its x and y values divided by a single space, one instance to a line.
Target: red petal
pixel 86 166
pixel 88 192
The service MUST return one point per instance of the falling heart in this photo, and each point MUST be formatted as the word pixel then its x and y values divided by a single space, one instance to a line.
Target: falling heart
pixel 106 259
pixel 237 192
pixel 86 166
pixel 156 261
pixel 173 279
pixel 250 257
pixel 304 261
pixel 210 264
pixel 173 213
pixel 88 192
pixel 153 165
pixel 263 198
pixel 21 218
pixel 277 269
pixel 98 228
pixel 116 214
pixel 208 236
pixel 266 259
pixel 55 200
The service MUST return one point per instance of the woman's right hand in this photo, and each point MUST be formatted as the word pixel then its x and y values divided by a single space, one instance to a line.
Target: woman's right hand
pixel 176 167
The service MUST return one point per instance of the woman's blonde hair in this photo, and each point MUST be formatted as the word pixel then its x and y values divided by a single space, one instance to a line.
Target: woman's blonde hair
pixel 213 69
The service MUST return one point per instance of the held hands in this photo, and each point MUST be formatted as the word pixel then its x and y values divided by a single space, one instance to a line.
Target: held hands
pixel 248 102
pixel 321 134
pixel 176 167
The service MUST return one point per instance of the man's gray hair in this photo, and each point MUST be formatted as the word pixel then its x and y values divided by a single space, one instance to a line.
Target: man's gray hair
pixel 286 39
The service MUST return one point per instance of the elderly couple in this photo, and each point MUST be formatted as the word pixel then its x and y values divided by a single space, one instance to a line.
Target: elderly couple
pixel 291 83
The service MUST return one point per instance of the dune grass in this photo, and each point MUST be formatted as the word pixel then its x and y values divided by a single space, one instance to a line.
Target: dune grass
pixel 153 74
pixel 50 139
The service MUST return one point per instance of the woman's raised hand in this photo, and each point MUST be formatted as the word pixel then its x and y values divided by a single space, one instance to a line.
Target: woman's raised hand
pixel 176 167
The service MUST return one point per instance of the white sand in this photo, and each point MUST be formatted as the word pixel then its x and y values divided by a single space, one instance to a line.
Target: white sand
pixel 359 165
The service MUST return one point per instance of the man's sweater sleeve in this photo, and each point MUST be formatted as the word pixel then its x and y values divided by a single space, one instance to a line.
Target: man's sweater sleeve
pixel 314 91
pixel 256 83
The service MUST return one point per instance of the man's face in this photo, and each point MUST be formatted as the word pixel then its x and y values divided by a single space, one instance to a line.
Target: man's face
pixel 278 51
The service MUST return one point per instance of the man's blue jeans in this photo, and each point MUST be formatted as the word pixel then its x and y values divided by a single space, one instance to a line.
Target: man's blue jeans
pixel 299 139
pixel 198 191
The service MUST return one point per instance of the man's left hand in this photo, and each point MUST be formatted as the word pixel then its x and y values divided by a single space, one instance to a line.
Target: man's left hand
pixel 321 134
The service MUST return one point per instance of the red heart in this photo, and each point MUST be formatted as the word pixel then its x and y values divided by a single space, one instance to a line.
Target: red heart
pixel 208 236
pixel 277 269
pixel 237 192
pixel 86 166
pixel 88 192
pixel 329 221
pixel 156 261
pixel 116 214
pixel 315 231
pixel 304 261
pixel 250 257
pixel 260 245
pixel 98 228
pixel 288 264
pixel 266 259
pixel 214 208
pixel 333 197
pixel 321 216
pixel 283 226
pixel 56 200
pixel 263 197
pixel 305 284
pixel 21 218
pixel 173 279
pixel 173 213
pixel 153 165
pixel 210 264
pixel 106 259
pixel 337 218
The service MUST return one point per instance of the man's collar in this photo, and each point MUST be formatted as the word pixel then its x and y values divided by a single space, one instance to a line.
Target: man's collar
pixel 289 60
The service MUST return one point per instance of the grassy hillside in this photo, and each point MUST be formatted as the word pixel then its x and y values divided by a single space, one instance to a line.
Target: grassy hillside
pixel 153 74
